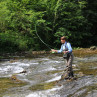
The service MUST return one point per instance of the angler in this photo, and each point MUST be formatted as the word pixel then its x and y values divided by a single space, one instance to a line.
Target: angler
pixel 68 55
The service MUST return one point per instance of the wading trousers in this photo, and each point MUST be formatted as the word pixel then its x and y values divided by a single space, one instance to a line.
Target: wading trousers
pixel 69 70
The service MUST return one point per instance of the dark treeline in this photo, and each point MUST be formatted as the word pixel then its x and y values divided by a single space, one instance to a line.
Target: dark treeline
pixel 51 19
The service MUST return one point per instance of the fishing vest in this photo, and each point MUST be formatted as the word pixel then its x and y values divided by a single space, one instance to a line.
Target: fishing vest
pixel 67 55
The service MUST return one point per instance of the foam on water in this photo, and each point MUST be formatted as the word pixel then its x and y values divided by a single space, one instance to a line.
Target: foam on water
pixel 45 93
pixel 45 59
pixel 48 69
pixel 17 69
pixel 11 69
pixel 5 68
pixel 20 64
pixel 53 61
pixel 3 64
pixel 34 63
pixel 33 95
pixel 54 79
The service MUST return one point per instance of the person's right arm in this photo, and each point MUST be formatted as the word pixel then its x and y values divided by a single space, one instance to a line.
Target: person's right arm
pixel 58 51
pixel 61 49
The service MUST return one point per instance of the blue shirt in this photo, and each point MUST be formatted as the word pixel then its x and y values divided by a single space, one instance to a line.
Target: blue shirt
pixel 67 45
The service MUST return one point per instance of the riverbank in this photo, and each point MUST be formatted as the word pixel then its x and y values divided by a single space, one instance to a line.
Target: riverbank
pixel 81 52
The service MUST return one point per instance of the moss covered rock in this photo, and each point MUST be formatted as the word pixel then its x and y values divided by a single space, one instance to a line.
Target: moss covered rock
pixel 7 83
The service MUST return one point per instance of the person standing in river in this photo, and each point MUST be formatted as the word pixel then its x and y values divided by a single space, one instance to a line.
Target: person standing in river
pixel 66 49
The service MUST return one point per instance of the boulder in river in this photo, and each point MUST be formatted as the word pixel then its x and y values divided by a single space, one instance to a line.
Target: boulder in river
pixel 93 48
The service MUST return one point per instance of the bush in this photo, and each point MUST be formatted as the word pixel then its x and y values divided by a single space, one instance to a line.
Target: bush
pixel 12 43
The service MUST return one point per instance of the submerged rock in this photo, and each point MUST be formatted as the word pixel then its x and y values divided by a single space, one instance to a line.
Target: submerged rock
pixel 14 78
pixel 80 74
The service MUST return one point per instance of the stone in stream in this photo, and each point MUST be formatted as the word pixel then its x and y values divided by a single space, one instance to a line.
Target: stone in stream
pixel 93 48
pixel 81 74
pixel 24 71
pixel 12 61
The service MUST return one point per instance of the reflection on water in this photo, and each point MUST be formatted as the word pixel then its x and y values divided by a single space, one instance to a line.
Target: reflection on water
pixel 42 73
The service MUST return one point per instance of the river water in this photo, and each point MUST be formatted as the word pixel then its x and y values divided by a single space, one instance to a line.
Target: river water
pixel 43 72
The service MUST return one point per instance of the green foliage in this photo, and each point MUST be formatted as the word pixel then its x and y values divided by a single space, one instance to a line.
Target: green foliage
pixel 12 43
pixel 51 19
pixel 71 21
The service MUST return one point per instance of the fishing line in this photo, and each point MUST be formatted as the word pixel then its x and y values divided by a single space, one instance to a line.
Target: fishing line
pixel 41 39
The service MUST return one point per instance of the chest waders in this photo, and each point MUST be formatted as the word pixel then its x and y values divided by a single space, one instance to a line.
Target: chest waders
pixel 68 71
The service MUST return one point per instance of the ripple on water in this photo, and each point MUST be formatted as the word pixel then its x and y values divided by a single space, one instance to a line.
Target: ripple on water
pixel 47 69
pixel 20 64
pixel 10 69
pixel 54 79
pixel 46 93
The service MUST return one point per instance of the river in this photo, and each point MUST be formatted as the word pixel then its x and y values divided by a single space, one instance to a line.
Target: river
pixel 41 73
